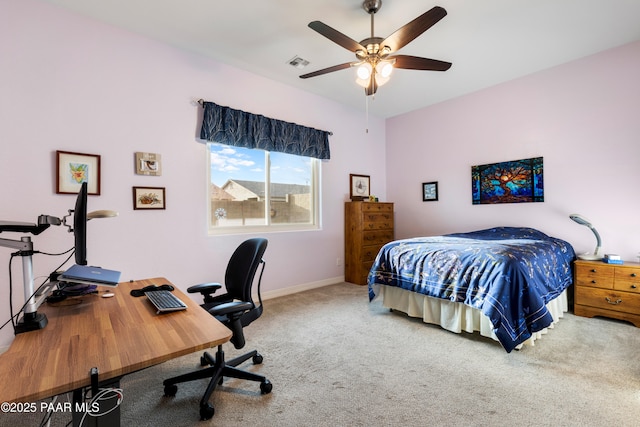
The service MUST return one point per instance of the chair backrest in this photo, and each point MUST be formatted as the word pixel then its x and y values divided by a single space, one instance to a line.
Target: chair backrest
pixel 242 268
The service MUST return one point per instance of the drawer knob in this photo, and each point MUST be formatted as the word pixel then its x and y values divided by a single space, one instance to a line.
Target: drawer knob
pixel 594 281
pixel 633 286
pixel 616 302
pixel 633 274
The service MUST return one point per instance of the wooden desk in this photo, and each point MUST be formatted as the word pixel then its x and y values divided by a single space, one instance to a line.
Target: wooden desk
pixel 118 335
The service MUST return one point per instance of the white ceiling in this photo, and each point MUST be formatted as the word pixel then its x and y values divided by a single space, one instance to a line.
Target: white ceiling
pixel 488 41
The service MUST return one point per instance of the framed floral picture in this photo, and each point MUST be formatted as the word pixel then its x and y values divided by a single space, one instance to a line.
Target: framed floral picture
pixel 149 198
pixel 360 186
pixel 73 169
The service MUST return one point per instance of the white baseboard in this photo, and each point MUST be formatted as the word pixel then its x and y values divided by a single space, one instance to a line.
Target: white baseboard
pixel 300 288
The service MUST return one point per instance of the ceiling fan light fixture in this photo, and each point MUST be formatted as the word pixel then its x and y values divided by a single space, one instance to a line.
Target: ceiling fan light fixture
pixel 374 64
pixel 384 69
pixel 381 80
pixel 364 71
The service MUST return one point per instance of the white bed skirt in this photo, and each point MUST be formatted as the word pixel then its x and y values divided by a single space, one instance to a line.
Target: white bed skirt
pixel 454 316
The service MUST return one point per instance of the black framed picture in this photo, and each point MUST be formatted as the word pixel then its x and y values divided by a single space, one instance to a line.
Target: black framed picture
pixel 360 186
pixel 149 198
pixel 430 191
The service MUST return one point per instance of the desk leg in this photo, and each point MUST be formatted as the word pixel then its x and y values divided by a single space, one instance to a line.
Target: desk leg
pixel 103 412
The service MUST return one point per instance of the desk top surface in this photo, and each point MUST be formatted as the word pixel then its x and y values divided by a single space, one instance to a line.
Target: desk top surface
pixel 118 335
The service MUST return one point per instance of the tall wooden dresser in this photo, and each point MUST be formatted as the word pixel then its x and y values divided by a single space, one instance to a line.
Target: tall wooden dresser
pixel 367 227
pixel 608 290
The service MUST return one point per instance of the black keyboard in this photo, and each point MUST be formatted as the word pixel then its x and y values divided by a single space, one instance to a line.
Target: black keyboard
pixel 165 301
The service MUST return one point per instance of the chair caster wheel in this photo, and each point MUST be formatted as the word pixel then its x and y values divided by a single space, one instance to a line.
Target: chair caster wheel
pixel 266 387
pixel 170 390
pixel 206 412
pixel 203 361
pixel 257 359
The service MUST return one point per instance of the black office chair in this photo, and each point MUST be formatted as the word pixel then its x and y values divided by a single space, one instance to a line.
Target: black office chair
pixel 235 309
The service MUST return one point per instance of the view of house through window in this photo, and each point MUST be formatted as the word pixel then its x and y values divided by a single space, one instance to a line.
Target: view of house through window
pixel 260 188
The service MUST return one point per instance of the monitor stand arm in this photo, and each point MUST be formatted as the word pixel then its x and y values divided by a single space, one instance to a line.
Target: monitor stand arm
pixel 31 320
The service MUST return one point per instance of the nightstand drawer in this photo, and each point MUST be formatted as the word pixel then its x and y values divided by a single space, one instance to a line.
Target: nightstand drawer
pixel 627 279
pixel 598 276
pixel 608 299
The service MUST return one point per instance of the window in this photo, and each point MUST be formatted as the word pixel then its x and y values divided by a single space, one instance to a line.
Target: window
pixel 252 189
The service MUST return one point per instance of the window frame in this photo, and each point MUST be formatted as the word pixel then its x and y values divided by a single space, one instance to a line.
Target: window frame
pixel 315 220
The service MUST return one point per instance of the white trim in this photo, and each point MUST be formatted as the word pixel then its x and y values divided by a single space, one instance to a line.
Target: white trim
pixel 299 288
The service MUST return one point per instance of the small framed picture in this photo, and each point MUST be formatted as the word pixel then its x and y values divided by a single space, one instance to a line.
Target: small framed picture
pixel 429 191
pixel 360 186
pixel 148 164
pixel 73 169
pixel 149 198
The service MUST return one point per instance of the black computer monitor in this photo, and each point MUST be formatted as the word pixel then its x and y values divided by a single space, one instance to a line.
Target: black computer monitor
pixel 80 226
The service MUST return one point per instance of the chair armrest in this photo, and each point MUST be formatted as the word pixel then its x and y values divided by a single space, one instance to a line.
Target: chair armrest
pixel 204 288
pixel 230 308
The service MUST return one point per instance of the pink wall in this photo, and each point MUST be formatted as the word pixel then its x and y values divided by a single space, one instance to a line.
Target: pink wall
pixel 582 117
pixel 72 84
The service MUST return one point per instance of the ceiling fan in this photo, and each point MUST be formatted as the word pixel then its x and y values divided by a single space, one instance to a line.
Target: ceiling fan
pixel 375 62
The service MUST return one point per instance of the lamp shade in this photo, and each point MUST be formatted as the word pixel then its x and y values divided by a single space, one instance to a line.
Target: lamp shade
pixel 384 69
pixel 102 214
pixel 363 73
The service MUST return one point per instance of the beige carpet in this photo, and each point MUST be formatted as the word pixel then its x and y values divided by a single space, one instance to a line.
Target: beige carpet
pixel 336 360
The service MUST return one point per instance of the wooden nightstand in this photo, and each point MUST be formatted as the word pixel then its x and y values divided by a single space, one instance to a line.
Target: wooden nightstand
pixel 608 290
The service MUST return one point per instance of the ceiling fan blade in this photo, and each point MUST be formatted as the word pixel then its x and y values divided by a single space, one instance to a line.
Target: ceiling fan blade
pixel 413 29
pixel 408 62
pixel 336 36
pixel 326 70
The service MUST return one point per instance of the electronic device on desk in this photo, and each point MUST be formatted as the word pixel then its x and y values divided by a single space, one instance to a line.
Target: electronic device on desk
pixel 31 319
pixel 165 301
pixel 89 275
pixel 612 259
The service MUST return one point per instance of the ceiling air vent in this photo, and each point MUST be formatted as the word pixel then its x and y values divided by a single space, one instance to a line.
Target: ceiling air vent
pixel 298 62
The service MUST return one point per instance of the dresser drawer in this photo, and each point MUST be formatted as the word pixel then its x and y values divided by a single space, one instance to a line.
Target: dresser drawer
pixel 369 253
pixel 377 237
pixel 626 302
pixel 377 207
pixel 627 279
pixel 598 276
pixel 378 221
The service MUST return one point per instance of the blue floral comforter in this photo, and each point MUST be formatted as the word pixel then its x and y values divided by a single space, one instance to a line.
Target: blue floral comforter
pixel 508 273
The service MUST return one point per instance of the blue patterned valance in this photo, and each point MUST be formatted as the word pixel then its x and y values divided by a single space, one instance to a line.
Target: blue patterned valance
pixel 227 126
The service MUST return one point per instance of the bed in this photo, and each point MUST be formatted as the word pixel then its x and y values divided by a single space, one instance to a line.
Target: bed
pixel 508 283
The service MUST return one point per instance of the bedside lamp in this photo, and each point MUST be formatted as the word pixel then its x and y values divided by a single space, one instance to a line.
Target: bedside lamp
pixel 583 221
